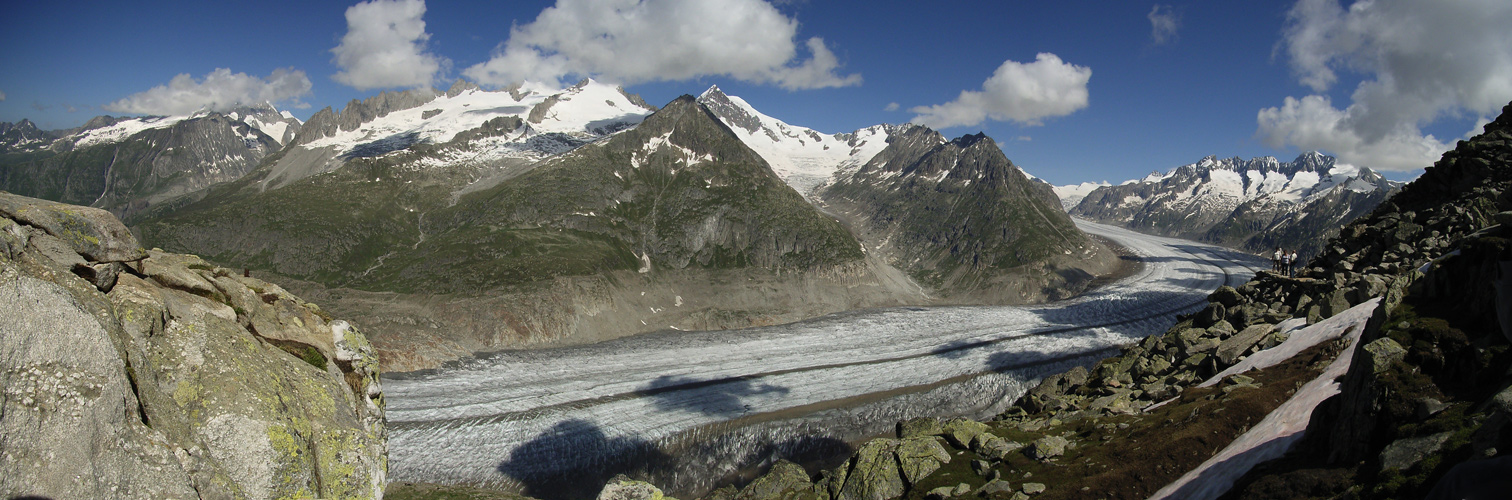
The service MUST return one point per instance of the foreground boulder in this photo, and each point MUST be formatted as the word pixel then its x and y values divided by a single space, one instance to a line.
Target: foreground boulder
pixel 135 374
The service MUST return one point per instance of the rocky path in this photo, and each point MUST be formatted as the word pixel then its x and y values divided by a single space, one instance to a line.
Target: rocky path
pixel 672 403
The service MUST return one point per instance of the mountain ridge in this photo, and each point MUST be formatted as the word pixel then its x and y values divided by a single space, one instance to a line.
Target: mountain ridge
pixel 1257 204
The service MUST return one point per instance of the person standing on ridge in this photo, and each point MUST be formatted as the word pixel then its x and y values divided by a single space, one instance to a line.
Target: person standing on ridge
pixel 1276 260
pixel 1292 271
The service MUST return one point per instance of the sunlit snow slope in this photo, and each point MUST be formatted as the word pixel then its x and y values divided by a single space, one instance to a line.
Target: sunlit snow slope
pixel 517 419
pixel 802 157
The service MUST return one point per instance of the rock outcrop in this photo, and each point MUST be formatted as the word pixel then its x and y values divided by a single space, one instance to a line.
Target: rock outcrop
pixel 143 374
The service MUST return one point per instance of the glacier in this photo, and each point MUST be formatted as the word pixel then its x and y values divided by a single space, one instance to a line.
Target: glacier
pixel 685 409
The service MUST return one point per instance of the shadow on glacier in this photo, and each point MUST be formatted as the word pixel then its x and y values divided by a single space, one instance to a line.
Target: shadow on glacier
pixel 574 459
pixel 721 397
pixel 1115 310
pixel 1111 321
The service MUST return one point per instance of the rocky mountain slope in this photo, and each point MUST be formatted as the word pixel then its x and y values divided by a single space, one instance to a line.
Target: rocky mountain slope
pixel 962 219
pixel 144 374
pixel 673 223
pixel 1254 205
pixel 901 188
pixel 22 136
pixel 463 128
pixel 127 165
pixel 1409 308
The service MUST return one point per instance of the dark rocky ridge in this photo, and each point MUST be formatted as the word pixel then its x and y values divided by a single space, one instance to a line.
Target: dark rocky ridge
pixel 327 122
pixel 21 136
pixel 150 167
pixel 961 219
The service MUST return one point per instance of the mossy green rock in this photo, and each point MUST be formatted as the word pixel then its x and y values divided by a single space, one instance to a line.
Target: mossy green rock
pixel 873 473
pixel 921 456
pixel 785 481
pixel 93 233
pixel 161 387
pixel 624 488
pixel 961 431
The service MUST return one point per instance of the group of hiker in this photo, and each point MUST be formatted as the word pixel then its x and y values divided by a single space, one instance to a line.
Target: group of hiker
pixel 1284 262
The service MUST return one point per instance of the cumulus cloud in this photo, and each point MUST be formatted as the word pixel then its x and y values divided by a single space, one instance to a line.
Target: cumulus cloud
pixel 1313 123
pixel 1163 24
pixel 220 90
pixel 1419 62
pixel 1024 93
pixel 631 41
pixel 385 47
pixel 891 106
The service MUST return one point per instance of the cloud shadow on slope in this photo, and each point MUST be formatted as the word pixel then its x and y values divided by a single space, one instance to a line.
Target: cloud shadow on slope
pixel 718 397
pixel 574 459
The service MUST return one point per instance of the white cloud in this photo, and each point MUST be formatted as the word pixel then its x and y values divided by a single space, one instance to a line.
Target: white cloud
pixel 1023 138
pixel 1024 93
pixel 385 47
pixel 218 91
pixel 631 41
pixel 1313 123
pixel 891 106
pixel 1163 24
pixel 1419 61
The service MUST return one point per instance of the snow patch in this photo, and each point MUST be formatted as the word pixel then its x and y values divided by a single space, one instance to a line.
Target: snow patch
pixel 582 111
pixel 1072 194
pixel 802 157
pixel 1274 435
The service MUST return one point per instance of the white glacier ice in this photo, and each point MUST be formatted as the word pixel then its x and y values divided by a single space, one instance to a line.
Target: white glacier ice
pixel 685 407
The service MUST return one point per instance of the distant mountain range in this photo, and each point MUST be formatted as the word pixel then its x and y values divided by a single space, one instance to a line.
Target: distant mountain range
pixel 456 222
pixel 1256 205
pixel 127 164
pixel 450 223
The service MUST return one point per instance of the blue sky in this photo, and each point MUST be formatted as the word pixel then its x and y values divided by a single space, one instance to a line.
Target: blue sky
pixel 1130 88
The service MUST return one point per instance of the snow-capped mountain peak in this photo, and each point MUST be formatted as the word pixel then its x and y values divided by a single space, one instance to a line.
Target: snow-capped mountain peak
pixel 587 108
pixel 1231 200
pixel 1071 194
pixel 802 157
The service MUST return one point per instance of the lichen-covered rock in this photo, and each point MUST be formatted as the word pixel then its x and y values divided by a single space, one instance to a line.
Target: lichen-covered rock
pixel 960 431
pixel 1047 447
pixel 1406 452
pixel 949 491
pixel 1381 353
pixel 1213 313
pixel 921 426
pixel 921 456
pixel 147 389
pixel 1235 346
pixel 91 232
pixel 872 473
pixel 1226 295
pixel 785 481
pixel 996 486
pixel 989 445
pixel 624 488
